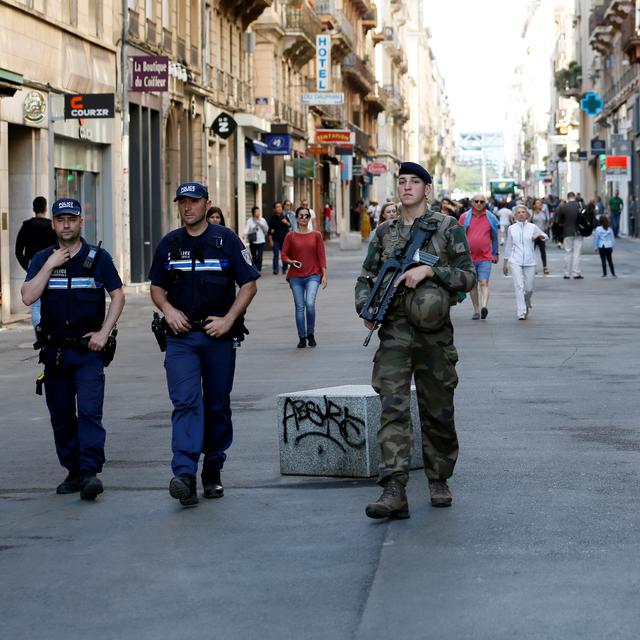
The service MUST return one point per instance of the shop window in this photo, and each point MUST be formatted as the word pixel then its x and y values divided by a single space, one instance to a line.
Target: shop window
pixel 81 186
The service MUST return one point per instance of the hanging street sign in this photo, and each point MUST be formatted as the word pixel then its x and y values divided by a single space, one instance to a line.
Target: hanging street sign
pixel 278 144
pixel 592 104
pixel 376 168
pixel 89 105
pixel 322 97
pixel 149 73
pixel 224 125
pixel 323 62
pixel 334 136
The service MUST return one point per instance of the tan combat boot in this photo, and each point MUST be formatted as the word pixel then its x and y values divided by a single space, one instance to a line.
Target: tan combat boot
pixel 440 493
pixel 391 504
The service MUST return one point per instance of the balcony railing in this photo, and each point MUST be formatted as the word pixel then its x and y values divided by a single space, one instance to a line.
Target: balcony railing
pixel 625 80
pixel 346 28
pixel 326 7
pixel 355 65
pixel 182 49
pixel 134 24
pixel 167 40
pixel 304 18
pixel 596 19
pixel 152 34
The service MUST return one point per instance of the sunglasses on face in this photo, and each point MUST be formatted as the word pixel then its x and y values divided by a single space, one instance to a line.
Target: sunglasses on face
pixel 480 201
pixel 303 216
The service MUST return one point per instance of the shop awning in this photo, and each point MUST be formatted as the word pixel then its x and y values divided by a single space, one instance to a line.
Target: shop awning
pixel 10 82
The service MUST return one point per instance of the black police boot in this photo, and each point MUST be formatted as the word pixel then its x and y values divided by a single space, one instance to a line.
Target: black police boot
pixel 211 484
pixel 311 340
pixel 302 343
pixel 71 484
pixel 91 486
pixel 183 488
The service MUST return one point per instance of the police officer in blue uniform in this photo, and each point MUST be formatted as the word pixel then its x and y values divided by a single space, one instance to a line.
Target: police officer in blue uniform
pixel 70 279
pixel 193 276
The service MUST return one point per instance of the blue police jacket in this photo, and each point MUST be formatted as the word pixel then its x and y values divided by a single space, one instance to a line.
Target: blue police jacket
pixel 73 302
pixel 200 273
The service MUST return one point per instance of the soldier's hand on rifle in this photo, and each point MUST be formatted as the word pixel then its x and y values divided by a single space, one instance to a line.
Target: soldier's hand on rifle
pixel 414 277
pixel 177 321
pixel 368 324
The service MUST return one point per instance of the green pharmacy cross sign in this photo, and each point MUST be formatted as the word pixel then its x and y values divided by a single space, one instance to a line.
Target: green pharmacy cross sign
pixel 592 103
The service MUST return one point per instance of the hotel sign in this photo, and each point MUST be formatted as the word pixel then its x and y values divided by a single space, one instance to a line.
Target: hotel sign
pixel 323 62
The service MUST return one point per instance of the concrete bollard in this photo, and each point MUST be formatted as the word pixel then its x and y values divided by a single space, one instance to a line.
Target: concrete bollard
pixel 351 241
pixel 333 432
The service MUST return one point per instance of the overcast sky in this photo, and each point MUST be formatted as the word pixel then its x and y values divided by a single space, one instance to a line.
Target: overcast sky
pixel 476 44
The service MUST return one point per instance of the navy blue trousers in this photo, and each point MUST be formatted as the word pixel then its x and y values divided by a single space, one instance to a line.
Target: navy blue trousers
pixel 75 392
pixel 200 373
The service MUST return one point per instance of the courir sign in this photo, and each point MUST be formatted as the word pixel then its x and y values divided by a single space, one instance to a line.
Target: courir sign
pixel 89 105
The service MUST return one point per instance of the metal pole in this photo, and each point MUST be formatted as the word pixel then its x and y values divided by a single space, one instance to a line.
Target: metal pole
pixel 124 151
pixel 51 187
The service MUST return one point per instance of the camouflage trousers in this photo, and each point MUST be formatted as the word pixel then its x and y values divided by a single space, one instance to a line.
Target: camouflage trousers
pixel 430 358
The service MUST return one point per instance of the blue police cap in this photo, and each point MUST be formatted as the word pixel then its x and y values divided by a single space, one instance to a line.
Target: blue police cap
pixel 414 169
pixel 67 206
pixel 193 190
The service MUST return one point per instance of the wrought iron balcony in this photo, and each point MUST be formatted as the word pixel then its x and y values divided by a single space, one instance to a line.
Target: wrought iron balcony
pixel 302 25
pixel 356 69
pixel 630 39
pixel 343 37
pixel 377 99
pixel 245 10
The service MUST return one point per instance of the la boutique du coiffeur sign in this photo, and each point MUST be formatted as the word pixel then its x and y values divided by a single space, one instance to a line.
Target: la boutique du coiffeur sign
pixel 149 73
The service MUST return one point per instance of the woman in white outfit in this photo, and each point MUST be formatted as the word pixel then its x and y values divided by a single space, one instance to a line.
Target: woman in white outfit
pixel 520 258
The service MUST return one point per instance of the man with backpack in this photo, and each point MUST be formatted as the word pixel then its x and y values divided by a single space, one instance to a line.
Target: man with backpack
pixel 568 217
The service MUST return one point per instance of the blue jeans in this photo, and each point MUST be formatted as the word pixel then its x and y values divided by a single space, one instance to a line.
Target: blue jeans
pixel 277 247
pixel 615 222
pixel 304 297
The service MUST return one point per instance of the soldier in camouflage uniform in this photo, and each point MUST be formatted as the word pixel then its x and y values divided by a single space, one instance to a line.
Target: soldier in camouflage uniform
pixel 416 338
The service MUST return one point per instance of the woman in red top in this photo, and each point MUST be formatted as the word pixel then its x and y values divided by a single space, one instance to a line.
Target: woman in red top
pixel 303 251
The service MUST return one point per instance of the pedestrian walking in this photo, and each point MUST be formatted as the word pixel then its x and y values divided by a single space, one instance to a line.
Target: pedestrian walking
pixel 305 203
pixel 287 209
pixel 416 340
pixel 279 226
pixel 215 216
pixel 572 240
pixel 194 274
pixel 256 231
pixel 304 251
pixel 633 215
pixel 603 243
pixel 70 279
pixel 506 220
pixel 481 227
pixel 540 217
pixel 388 211
pixel 615 209
pixel 36 234
pixel 520 258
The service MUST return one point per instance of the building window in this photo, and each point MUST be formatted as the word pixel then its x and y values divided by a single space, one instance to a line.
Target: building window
pixel 70 12
pixel 166 14
pixel 95 18
pixel 149 9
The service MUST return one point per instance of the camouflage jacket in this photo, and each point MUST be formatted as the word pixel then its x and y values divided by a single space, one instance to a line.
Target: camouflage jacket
pixel 454 272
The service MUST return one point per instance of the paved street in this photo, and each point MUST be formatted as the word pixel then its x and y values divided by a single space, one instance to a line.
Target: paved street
pixel 542 540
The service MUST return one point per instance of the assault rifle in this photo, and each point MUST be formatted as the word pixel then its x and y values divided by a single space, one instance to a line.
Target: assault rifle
pixel 384 287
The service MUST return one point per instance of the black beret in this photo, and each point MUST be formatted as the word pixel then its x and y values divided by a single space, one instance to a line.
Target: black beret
pixel 414 169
